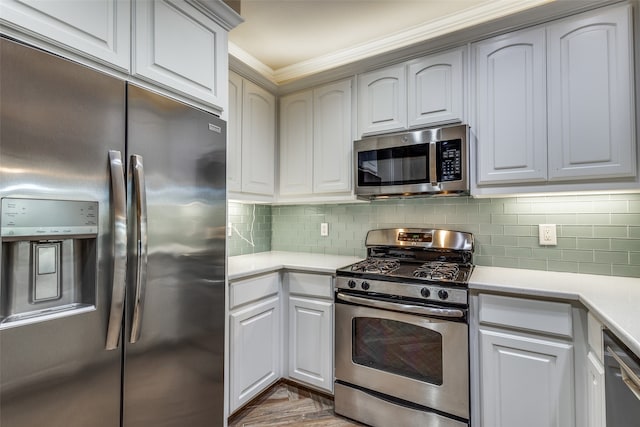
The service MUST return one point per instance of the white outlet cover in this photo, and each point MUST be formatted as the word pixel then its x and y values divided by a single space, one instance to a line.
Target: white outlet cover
pixel 324 229
pixel 547 235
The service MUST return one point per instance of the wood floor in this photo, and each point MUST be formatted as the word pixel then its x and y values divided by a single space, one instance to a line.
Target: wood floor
pixel 287 405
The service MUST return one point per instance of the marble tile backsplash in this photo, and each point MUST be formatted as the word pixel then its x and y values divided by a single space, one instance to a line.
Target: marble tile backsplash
pixel 597 234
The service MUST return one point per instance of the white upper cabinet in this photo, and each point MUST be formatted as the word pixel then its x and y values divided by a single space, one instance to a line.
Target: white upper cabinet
pixel 296 144
pixel 435 89
pixel 591 96
pixel 181 48
pixel 258 139
pixel 234 134
pixel 250 140
pixel 511 109
pixel 332 139
pixel 382 100
pixel 418 93
pixel 98 28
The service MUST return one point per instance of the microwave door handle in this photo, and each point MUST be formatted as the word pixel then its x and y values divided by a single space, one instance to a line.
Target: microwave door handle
pixel 119 251
pixel 630 379
pixel 403 308
pixel 433 171
pixel 141 245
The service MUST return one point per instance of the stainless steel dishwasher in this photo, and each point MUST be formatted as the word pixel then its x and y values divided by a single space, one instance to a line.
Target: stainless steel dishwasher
pixel 622 383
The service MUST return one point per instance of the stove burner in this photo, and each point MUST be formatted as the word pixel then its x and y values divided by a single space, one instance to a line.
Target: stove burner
pixel 437 270
pixel 382 266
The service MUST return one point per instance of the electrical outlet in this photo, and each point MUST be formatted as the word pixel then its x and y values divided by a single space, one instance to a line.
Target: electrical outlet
pixel 324 229
pixel 547 234
pixel 230 229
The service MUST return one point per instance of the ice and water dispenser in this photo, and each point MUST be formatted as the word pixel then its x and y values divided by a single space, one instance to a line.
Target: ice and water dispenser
pixel 49 259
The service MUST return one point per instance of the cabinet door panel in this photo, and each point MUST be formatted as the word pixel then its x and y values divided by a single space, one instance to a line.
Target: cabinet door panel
pixel 163 30
pixel 591 130
pixel 595 392
pixel 435 92
pixel 258 140
pixel 255 350
pixel 234 134
pixel 98 28
pixel 310 342
pixel 525 381
pixel 296 144
pixel 332 140
pixel 382 101
pixel 511 108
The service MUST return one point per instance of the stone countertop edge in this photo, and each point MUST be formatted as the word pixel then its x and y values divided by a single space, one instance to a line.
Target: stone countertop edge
pixel 613 300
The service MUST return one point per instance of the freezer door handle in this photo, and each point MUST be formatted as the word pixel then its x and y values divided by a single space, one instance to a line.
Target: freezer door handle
pixel 119 212
pixel 141 245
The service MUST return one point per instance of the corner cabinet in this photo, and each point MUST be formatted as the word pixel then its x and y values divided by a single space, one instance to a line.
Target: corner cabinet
pixel 255 347
pixel 179 47
pixel 316 144
pixel 530 359
pixel 311 329
pixel 251 140
pixel 418 93
pixel 554 106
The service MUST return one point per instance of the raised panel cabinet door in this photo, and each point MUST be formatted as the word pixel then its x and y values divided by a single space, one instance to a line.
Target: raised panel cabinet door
pixel 258 140
pixel 382 100
pixel 98 29
pixel 296 144
pixel 435 89
pixel 595 392
pixel 234 134
pixel 311 341
pixel 510 108
pixel 255 350
pixel 591 96
pixel 332 139
pixel 525 381
pixel 182 49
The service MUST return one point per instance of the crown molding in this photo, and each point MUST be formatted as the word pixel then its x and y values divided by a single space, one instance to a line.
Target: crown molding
pixel 438 27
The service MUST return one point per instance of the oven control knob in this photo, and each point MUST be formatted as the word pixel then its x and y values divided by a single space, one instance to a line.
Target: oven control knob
pixel 442 294
pixel 352 283
pixel 425 292
pixel 365 286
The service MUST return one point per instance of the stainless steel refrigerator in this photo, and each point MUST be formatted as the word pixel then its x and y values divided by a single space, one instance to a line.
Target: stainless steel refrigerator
pixel 113 250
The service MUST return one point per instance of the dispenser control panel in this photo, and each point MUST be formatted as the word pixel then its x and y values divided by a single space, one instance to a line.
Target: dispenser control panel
pixel 48 218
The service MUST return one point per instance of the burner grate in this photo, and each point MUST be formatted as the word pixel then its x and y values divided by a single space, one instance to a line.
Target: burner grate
pixel 437 271
pixel 381 266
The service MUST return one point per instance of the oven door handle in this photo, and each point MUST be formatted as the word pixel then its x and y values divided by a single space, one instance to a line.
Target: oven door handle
pixel 403 308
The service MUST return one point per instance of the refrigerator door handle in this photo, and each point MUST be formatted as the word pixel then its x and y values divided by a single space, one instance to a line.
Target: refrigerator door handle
pixel 119 211
pixel 141 245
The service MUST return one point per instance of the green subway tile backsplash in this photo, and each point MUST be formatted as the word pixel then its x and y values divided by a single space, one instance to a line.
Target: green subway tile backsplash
pixel 596 234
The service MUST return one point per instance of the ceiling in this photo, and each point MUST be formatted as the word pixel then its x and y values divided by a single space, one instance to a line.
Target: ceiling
pixel 288 39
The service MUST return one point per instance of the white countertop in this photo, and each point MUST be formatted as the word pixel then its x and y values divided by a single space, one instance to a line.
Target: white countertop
pixel 615 301
pixel 247 265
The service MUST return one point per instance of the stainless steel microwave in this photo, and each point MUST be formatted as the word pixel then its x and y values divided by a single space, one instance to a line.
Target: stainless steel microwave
pixel 433 161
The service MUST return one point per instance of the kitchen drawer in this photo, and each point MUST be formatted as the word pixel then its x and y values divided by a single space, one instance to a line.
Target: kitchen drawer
pixel 253 289
pixel 594 334
pixel 313 285
pixel 532 315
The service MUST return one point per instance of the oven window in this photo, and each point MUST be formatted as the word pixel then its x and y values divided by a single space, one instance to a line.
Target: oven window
pixel 398 348
pixel 394 166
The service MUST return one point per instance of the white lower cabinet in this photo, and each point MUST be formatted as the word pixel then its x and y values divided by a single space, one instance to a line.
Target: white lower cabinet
pixel 595 392
pixel 311 329
pixel 311 341
pixel 526 381
pixel 530 362
pixel 255 352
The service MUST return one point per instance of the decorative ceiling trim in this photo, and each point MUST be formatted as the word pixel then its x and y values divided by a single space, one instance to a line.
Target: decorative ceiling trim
pixel 428 30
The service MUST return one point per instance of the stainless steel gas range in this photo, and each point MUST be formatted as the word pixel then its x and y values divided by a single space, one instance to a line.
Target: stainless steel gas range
pixel 401 330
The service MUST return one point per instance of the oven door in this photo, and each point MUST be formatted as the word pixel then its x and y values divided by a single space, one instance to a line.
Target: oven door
pixel 419 359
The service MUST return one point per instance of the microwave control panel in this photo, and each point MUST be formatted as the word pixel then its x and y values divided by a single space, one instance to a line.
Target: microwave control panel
pixel 450 160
